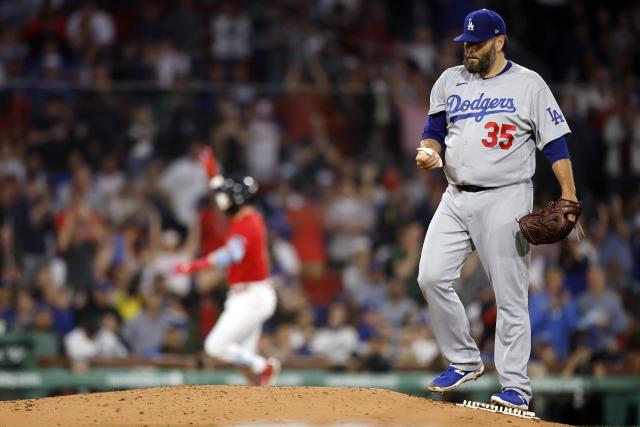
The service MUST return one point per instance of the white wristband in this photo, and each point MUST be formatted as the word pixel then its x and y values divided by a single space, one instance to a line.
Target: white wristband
pixel 430 152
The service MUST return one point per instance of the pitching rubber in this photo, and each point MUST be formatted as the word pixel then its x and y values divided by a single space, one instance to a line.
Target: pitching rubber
pixel 499 409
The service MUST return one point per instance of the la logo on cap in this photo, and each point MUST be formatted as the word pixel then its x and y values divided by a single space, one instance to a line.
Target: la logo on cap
pixel 470 26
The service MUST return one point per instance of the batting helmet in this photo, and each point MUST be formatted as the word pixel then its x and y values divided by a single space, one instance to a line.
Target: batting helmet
pixel 235 193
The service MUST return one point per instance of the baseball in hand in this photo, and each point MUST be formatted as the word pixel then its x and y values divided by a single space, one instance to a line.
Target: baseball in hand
pixel 428 159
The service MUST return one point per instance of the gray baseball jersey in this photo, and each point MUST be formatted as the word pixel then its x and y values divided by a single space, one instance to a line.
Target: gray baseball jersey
pixel 495 124
pixel 493 128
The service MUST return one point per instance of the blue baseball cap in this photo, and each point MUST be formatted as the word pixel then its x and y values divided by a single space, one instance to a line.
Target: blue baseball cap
pixel 481 25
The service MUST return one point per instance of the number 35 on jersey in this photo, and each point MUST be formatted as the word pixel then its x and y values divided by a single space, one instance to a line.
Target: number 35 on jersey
pixel 501 134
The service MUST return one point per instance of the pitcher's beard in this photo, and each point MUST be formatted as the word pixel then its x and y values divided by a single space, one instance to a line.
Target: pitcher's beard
pixel 483 65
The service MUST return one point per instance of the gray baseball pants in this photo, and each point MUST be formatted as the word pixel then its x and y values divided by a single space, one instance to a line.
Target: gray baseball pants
pixel 484 221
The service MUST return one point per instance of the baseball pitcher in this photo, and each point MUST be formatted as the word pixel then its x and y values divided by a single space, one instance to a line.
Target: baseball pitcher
pixel 490 115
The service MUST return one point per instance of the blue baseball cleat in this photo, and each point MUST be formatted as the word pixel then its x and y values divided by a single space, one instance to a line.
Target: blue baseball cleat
pixel 452 378
pixel 511 399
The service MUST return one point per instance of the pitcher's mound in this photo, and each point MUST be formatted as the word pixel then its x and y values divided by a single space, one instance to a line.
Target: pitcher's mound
pixel 234 405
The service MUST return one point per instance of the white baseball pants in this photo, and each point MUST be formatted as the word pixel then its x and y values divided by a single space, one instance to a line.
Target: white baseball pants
pixel 236 334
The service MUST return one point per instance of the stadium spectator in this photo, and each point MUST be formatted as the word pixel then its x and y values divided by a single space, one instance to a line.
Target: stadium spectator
pixel 553 317
pixel 349 217
pixel 417 346
pixel 10 164
pixel 80 229
pixel 93 337
pixel 397 308
pixel 165 249
pixel 183 181
pixel 264 142
pixel 231 30
pixel 611 234
pixel 600 314
pixel 338 341
pixel 145 333
pixel 90 26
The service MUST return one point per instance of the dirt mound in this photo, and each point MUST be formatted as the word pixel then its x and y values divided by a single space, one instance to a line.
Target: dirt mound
pixel 234 405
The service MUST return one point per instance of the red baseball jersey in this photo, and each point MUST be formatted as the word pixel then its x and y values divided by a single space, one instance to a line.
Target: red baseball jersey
pixel 255 264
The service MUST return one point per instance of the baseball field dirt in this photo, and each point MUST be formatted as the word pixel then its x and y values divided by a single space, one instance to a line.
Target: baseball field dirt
pixel 241 405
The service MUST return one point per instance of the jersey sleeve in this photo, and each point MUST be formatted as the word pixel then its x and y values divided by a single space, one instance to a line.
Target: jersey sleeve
pixel 437 99
pixel 547 119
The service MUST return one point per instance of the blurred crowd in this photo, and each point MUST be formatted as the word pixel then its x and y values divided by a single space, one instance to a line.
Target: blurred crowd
pixel 105 106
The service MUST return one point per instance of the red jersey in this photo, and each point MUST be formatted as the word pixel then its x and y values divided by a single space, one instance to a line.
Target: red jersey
pixel 213 228
pixel 255 264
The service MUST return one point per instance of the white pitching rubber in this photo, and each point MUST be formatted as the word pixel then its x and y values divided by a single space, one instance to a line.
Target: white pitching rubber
pixel 499 409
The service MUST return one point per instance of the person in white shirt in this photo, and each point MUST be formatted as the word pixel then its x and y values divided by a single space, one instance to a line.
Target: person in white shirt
pixel 93 337
pixel 185 182
pixel 338 341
